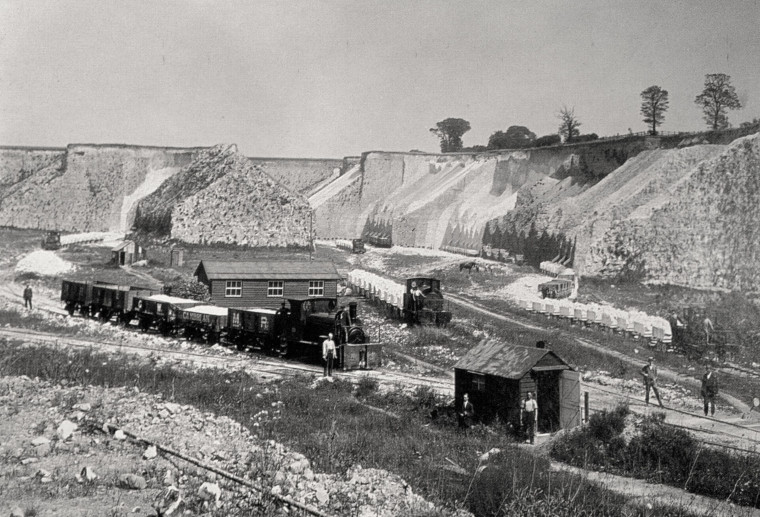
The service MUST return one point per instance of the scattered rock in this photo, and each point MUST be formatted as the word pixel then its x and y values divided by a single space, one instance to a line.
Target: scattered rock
pixel 210 491
pixel 17 512
pixel 40 440
pixel 119 435
pixel 322 496
pixel 27 461
pixel 86 475
pixel 66 429
pixel 132 482
pixel 82 406
pixel 168 478
pixel 150 453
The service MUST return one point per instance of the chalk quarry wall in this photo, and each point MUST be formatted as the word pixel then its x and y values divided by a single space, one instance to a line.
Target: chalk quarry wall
pixel 434 200
pixel 301 175
pixel 81 188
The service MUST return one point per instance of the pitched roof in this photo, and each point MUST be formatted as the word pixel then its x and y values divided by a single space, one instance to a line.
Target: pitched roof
pixel 122 245
pixel 494 357
pixel 268 270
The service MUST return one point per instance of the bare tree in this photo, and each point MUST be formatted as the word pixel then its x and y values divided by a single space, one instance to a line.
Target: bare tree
pixel 716 99
pixel 653 106
pixel 569 125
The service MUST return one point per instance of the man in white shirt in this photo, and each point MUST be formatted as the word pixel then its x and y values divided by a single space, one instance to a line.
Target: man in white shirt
pixel 530 417
pixel 328 354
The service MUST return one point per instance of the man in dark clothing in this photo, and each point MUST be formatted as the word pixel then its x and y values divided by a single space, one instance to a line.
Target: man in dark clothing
pixel 649 373
pixel 709 389
pixel 28 297
pixel 530 417
pixel 344 320
pixel 467 414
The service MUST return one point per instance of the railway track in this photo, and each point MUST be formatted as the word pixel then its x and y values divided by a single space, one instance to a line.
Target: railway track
pixel 266 368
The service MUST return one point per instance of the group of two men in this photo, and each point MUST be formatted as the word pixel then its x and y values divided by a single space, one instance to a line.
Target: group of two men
pixel 708 391
pixel 528 415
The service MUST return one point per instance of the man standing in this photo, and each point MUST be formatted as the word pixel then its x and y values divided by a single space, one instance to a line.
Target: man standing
pixel 649 373
pixel 467 414
pixel 328 354
pixel 28 297
pixel 530 417
pixel 709 389
pixel 344 320
pixel 709 328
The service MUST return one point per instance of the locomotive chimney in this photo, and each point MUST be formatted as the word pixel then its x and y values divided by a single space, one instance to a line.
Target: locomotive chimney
pixel 352 311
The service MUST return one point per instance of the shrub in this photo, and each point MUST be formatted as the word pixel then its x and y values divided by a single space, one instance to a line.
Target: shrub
pixel 189 288
pixel 366 386
pixel 547 140
pixel 608 424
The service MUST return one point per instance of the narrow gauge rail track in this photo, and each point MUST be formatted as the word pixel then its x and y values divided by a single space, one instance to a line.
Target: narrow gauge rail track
pixel 252 363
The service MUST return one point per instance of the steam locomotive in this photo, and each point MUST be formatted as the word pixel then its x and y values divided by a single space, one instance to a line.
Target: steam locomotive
pixel 298 328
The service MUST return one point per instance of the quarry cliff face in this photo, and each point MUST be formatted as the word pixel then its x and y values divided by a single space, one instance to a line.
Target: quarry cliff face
pixel 435 200
pixel 81 188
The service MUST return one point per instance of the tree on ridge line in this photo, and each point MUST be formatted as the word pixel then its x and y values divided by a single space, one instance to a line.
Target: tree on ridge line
pixel 654 106
pixel 450 132
pixel 569 125
pixel 716 99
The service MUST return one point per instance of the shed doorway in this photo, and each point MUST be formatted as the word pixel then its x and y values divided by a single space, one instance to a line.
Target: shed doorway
pixel 547 396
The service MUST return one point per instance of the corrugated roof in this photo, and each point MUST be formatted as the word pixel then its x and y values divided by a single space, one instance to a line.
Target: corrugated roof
pixel 269 270
pixel 494 357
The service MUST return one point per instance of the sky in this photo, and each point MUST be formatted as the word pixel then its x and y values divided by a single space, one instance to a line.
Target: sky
pixel 328 78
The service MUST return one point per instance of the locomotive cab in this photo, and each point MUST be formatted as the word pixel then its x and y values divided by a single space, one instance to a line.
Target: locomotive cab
pixel 311 319
pixel 423 301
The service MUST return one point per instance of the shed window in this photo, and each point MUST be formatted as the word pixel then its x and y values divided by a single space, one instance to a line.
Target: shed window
pixel 233 289
pixel 316 288
pixel 478 382
pixel 274 288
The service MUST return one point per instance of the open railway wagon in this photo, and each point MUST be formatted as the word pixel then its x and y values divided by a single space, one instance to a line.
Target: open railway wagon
pixel 116 300
pixel 206 322
pixel 353 245
pixel 379 240
pixel 159 311
pixel 653 330
pixel 399 301
pixel 557 288
pixel 101 299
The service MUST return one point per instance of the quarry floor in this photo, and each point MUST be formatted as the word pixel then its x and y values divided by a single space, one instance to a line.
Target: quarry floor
pixel 734 427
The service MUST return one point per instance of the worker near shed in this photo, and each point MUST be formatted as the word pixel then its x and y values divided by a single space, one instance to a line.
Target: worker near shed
pixel 649 373
pixel 467 414
pixel 28 296
pixel 709 329
pixel 344 320
pixel 530 417
pixel 709 389
pixel 328 354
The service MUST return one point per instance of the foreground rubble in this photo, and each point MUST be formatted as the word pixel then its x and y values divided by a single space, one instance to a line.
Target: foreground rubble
pixel 55 458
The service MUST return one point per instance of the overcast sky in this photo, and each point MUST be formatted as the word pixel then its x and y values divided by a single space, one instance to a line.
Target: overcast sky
pixel 328 78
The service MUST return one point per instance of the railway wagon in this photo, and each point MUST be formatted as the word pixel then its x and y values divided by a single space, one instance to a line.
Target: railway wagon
pixel 557 288
pixel 110 300
pixel 380 240
pixel 423 302
pixel 76 296
pixel 159 311
pixel 259 329
pixel 205 322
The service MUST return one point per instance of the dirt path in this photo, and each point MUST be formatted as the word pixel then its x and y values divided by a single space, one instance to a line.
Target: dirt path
pixel 639 491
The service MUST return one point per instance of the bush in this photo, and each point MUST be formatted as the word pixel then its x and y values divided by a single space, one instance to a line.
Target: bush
pixel 366 387
pixel 189 288
pixel 608 424
pixel 547 140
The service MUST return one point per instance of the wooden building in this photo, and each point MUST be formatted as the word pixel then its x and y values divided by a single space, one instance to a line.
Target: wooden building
pixel 266 283
pixel 497 376
pixel 126 253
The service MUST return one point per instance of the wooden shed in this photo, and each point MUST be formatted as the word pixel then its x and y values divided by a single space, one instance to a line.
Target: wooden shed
pixel 126 253
pixel 266 284
pixel 498 375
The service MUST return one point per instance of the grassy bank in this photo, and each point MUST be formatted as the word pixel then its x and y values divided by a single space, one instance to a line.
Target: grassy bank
pixel 663 454
pixel 335 429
